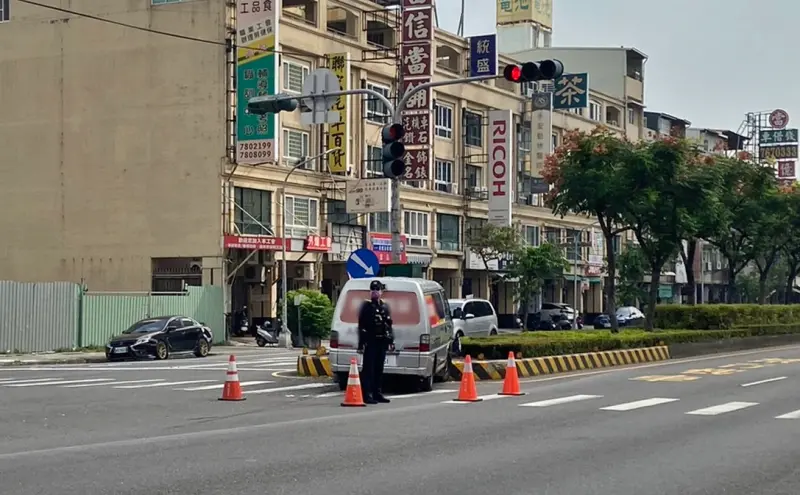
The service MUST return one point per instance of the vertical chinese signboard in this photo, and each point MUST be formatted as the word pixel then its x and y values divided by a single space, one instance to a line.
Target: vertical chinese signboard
pixel 542 130
pixel 416 65
pixel 256 75
pixel 483 55
pixel 339 64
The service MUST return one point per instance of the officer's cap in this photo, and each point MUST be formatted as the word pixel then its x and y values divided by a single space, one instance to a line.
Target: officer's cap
pixel 376 285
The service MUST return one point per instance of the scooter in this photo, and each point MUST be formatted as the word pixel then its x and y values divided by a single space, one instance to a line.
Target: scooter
pixel 264 336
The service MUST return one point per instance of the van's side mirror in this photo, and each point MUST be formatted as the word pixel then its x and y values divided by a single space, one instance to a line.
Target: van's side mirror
pixel 457 314
pixel 469 316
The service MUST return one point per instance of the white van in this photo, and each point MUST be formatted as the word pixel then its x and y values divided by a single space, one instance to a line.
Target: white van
pixel 422 328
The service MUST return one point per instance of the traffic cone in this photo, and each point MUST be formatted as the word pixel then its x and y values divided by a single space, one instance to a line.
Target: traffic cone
pixel 353 396
pixel 232 389
pixel 511 382
pixel 468 392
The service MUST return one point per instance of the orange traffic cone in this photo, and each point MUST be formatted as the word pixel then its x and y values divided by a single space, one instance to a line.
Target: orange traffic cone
pixel 353 396
pixel 468 392
pixel 232 389
pixel 511 383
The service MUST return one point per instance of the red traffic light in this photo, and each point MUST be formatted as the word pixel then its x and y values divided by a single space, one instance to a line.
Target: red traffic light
pixel 393 132
pixel 512 73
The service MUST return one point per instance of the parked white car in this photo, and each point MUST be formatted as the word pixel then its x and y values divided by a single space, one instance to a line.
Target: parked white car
pixel 471 318
pixel 551 309
pixel 628 315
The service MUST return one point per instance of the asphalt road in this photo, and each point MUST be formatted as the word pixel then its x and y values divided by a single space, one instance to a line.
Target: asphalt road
pixel 718 425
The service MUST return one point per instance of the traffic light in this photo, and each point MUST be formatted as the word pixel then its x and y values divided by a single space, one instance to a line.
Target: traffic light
pixel 262 105
pixel 394 151
pixel 544 70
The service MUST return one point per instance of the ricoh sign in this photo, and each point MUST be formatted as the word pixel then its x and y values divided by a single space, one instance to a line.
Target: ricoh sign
pixel 501 167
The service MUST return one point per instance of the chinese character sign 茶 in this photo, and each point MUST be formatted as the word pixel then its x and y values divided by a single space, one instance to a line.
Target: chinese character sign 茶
pixel 256 75
pixel 571 91
pixel 339 64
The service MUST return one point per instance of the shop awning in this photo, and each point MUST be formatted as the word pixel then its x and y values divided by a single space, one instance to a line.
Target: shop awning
pixel 419 259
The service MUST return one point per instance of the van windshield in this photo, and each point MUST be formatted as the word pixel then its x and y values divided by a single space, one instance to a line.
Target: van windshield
pixel 403 305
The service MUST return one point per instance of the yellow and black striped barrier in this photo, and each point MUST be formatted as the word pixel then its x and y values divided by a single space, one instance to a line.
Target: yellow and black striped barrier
pixel 529 367
pixel 319 366
pixel 315 366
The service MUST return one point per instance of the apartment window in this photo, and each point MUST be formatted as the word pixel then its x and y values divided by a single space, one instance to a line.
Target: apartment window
pixel 301 216
pixel 528 88
pixel 379 222
pixel 444 121
pixel 416 228
pixel 576 111
pixel 447 227
pixel 258 205
pixel 295 146
pixel 616 243
pixel 552 235
pixel 443 180
pixel 554 142
pixel 337 213
pixel 5 15
pixel 532 235
pixel 474 177
pixel 572 237
pixel 376 110
pixel 595 111
pixel 294 75
pixel 373 164
pixel 631 116
pixel 473 129
pixel 524 138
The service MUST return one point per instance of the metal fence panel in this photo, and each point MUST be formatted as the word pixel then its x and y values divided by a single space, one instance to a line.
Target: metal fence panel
pixel 39 316
pixel 108 314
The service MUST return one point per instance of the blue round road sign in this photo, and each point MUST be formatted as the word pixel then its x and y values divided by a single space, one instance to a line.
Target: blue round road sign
pixel 363 263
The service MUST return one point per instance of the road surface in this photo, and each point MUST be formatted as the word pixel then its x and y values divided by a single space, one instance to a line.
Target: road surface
pixel 712 425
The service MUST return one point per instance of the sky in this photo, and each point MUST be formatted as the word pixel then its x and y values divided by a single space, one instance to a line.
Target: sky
pixel 710 61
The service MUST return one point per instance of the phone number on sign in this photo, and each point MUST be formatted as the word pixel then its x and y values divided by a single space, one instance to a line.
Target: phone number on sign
pixel 259 150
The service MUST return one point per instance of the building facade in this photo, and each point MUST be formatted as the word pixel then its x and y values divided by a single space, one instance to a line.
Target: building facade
pixel 121 174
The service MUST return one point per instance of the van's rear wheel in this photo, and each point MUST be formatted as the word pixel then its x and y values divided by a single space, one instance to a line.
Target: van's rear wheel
pixel 426 384
pixel 445 372
pixel 341 379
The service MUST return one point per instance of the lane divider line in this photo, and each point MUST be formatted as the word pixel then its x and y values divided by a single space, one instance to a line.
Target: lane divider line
pixel 769 380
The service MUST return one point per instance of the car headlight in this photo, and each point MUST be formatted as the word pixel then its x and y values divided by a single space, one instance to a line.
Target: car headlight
pixel 142 340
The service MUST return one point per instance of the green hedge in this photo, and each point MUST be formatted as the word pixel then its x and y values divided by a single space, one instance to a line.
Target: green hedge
pixel 724 316
pixel 533 344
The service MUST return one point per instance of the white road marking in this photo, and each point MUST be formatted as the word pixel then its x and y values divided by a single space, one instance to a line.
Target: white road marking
pixel 60 382
pixel 29 380
pixel 292 387
pixel 165 384
pixel 629 406
pixel 791 415
pixel 114 382
pixel 776 379
pixel 221 385
pixel 560 400
pixel 722 408
pixel 330 394
pixel 423 394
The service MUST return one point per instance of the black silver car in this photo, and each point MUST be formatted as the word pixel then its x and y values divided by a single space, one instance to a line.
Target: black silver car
pixel 159 337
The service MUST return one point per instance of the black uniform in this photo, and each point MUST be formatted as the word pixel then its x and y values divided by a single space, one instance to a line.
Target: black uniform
pixel 374 338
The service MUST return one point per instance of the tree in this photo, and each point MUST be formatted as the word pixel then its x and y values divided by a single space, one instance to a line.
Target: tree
pixel 741 186
pixel 632 267
pixel 315 311
pixel 585 173
pixel 770 235
pixel 791 249
pixel 662 189
pixel 531 267
pixel 492 243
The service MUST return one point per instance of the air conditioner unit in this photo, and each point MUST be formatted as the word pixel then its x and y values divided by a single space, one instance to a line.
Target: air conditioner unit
pixel 255 274
pixel 482 190
pixel 195 267
pixel 454 188
pixel 305 271
pixel 709 266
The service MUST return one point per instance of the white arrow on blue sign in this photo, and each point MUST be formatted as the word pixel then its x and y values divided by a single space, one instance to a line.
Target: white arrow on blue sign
pixel 363 263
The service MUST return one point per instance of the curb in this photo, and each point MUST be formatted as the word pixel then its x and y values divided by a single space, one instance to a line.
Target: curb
pixel 40 362
pixel 529 367
pixel 313 366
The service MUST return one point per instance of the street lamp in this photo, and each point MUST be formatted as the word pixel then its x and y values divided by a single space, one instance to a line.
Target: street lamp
pixel 284 305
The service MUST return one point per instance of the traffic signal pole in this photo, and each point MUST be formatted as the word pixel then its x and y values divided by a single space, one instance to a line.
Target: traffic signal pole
pixel 261 105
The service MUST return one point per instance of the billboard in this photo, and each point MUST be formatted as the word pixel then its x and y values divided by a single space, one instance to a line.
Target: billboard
pixel 256 75
pixel 339 64
pixel 513 11
pixel 501 167
pixel 417 57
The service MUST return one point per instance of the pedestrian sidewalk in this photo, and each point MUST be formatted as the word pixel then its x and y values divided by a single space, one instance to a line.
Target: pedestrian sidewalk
pixel 79 357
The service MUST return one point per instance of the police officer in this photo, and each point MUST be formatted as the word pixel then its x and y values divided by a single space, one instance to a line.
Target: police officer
pixel 375 337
